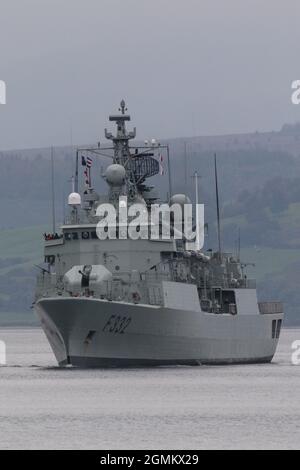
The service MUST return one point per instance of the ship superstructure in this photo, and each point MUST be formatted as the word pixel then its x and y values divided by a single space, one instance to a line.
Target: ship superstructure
pixel 133 302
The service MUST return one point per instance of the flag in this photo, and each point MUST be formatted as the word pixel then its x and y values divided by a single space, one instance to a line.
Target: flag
pixel 89 162
pixel 83 162
pixel 161 168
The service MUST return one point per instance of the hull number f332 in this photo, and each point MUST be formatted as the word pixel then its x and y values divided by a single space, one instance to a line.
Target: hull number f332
pixel 116 324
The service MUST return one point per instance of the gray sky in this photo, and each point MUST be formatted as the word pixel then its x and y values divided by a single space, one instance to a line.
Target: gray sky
pixel 191 67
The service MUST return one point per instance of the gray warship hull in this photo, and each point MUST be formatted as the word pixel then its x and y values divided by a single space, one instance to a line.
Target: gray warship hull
pixel 125 287
pixel 89 332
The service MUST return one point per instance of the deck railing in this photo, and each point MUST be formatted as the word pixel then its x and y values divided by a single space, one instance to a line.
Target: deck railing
pixel 270 307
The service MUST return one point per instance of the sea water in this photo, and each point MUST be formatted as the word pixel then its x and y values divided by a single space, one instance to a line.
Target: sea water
pixel 217 407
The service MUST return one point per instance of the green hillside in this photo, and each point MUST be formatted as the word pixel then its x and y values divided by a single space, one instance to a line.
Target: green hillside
pixel 20 249
pixel 259 187
pixel 26 243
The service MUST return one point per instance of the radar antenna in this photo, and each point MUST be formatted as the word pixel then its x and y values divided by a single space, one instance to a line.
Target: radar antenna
pixel 123 107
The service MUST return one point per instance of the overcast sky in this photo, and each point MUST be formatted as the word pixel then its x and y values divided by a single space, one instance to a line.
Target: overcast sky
pixel 185 67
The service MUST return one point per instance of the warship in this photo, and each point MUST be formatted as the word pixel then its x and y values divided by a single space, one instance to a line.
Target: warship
pixel 122 302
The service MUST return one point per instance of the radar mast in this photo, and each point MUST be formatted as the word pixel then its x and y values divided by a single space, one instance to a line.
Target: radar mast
pixel 122 155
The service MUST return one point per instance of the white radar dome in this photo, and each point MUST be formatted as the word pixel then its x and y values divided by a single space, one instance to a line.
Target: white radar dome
pixel 180 199
pixel 115 175
pixel 74 199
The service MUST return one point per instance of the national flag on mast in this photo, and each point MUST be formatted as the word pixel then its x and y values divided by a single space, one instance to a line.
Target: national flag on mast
pixel 89 162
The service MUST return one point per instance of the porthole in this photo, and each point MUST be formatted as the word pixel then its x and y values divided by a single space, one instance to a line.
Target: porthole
pixel 85 235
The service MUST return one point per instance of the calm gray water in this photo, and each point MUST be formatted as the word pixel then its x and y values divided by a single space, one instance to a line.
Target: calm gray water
pixel 44 407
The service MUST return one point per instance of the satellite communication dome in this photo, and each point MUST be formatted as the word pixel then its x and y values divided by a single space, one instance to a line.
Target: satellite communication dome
pixel 74 199
pixel 180 199
pixel 115 175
